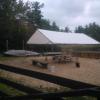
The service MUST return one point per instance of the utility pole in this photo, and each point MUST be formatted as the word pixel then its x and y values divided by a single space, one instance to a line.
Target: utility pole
pixel 23 45
pixel 7 45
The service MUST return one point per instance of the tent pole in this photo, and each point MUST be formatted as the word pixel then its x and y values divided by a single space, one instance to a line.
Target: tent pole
pixel 7 45
pixel 23 45
pixel 46 58
pixel 52 49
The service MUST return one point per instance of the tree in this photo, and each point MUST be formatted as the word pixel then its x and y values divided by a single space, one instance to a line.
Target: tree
pixel 7 17
pixel 22 9
pixel 91 29
pixel 34 15
pixel 45 24
pixel 54 27
pixel 79 29
pixel 12 27
pixel 67 29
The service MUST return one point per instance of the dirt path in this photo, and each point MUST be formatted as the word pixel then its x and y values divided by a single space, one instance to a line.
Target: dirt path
pixel 88 72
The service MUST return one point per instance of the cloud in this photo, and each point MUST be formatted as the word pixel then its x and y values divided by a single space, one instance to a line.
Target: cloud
pixel 95 9
pixel 71 12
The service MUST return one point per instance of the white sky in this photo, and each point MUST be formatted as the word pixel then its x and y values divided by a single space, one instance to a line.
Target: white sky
pixel 71 12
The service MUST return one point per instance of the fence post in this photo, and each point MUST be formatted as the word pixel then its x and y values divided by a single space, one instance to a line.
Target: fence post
pixel 7 45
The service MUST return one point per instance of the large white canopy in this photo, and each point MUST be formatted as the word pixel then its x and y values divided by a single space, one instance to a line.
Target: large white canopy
pixel 52 37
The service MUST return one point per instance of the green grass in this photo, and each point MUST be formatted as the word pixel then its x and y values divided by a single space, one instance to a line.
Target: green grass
pixel 80 98
pixel 10 91
pixel 13 92
pixel 4 58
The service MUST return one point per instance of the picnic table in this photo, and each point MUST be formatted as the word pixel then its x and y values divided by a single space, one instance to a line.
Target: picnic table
pixel 62 59
pixel 40 63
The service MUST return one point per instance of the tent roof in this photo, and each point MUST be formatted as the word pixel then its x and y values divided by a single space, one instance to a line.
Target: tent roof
pixel 52 37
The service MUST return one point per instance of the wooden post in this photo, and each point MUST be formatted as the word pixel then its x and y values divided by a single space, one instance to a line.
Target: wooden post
pixel 23 45
pixel 7 45
pixel 77 62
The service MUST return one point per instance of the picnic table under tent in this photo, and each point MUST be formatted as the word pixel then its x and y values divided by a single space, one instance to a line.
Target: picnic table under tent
pixel 46 37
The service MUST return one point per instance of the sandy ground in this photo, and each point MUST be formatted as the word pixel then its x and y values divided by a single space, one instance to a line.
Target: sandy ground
pixel 89 71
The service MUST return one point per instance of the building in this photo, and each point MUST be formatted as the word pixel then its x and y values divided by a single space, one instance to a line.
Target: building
pixel 52 37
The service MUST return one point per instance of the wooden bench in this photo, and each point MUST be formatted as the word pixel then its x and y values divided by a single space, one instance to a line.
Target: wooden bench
pixel 40 63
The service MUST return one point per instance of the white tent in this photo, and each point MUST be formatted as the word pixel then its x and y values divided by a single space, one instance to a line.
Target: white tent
pixel 52 37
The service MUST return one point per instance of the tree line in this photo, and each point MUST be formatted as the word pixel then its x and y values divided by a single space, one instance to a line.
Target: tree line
pixel 91 29
pixel 18 21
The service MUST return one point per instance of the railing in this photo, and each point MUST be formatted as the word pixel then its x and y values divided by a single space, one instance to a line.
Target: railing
pixel 87 54
pixel 80 88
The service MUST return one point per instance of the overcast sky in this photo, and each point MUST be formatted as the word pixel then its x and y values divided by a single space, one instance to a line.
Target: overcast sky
pixel 71 12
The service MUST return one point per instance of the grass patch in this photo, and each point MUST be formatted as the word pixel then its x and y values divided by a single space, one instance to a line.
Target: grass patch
pixel 10 91
pixel 80 98
pixel 4 58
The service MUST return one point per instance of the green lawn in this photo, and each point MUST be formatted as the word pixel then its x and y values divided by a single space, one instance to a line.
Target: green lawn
pixel 10 91
pixel 3 58
pixel 80 98
pixel 13 92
